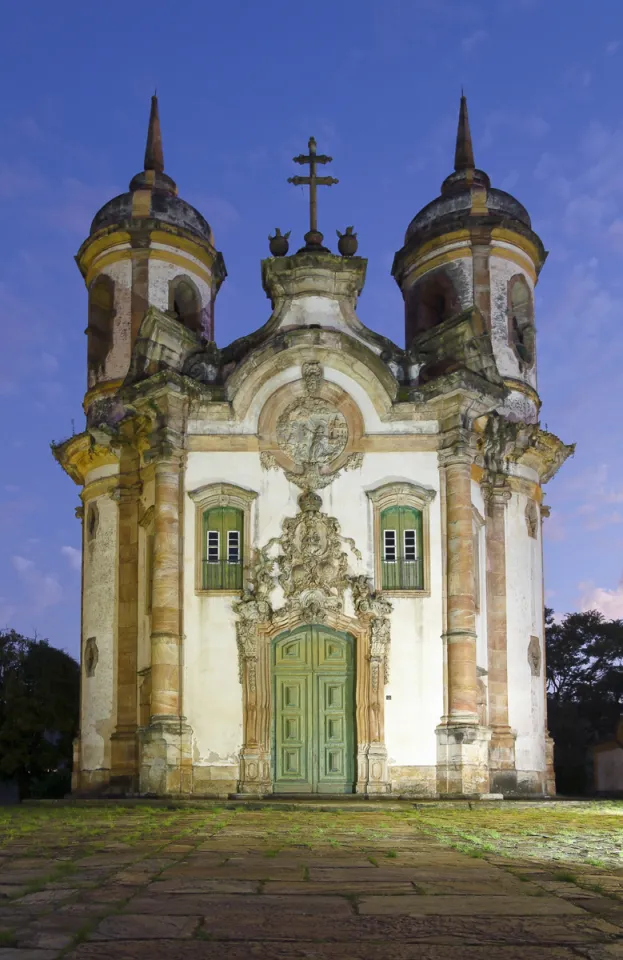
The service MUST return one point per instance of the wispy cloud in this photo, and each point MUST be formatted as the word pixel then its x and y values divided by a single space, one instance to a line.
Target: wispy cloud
pixel 44 589
pixel 608 602
pixel 473 40
pixel 612 47
pixel 73 556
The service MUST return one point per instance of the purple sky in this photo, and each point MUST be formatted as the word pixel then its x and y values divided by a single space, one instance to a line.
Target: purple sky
pixel 242 86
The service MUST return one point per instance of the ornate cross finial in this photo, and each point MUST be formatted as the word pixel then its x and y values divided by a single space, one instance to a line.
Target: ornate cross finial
pixel 314 238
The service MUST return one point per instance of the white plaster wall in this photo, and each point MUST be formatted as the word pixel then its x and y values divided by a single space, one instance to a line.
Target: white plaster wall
pixel 501 271
pixel 212 692
pixel 161 273
pixel 304 311
pixel 524 591
pixel 118 360
pixel 99 620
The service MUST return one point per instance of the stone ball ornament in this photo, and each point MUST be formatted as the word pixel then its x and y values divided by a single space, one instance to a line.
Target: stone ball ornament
pixel 279 244
pixel 347 243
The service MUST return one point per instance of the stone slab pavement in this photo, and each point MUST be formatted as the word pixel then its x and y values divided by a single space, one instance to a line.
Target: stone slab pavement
pixel 244 888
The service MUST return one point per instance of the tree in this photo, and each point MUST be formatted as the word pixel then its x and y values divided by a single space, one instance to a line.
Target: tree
pixel 39 706
pixel 584 687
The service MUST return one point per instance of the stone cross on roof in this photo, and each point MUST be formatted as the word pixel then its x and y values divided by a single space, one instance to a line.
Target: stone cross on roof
pixel 314 238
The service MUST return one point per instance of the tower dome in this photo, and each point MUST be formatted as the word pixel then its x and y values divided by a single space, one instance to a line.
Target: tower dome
pixel 146 248
pixel 474 246
pixel 152 193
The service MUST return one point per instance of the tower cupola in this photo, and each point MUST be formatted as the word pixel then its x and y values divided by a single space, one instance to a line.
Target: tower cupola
pixel 473 246
pixel 146 247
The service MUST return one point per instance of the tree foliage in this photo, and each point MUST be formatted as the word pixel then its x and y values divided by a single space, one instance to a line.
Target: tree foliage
pixel 584 687
pixel 39 706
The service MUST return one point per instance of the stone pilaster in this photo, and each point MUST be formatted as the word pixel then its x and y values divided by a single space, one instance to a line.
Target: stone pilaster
pixel 166 743
pixel 123 742
pixel 461 741
pixel 550 775
pixel 502 772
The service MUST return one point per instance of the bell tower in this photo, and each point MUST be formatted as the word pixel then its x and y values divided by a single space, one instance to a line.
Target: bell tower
pixel 146 247
pixel 473 246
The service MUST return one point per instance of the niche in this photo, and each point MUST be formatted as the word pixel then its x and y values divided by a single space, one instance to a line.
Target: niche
pixel 521 320
pixel 185 303
pixel 100 328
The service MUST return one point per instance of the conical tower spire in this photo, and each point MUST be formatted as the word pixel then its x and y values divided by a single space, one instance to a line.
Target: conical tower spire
pixel 154 157
pixel 464 154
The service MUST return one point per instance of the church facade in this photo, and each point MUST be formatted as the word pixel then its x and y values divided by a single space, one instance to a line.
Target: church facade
pixel 312 559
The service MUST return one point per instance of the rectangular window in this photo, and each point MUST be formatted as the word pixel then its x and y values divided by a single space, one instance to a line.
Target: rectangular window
pixel 410 539
pixel 213 546
pixel 233 546
pixel 389 546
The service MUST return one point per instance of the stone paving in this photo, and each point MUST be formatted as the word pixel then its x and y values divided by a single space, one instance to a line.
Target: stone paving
pixel 358 883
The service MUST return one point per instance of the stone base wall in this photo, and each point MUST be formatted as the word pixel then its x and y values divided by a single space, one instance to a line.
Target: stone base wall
pixel 215 780
pixel 462 760
pixel 413 781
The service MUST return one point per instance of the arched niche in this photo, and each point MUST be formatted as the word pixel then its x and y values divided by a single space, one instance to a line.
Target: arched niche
pixel 432 300
pixel 185 303
pixel 521 336
pixel 100 328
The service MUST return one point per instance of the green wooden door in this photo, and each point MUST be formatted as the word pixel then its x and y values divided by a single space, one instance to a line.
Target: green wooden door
pixel 313 716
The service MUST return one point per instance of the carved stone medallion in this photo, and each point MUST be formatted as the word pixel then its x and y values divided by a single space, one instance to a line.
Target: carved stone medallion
pixel 312 432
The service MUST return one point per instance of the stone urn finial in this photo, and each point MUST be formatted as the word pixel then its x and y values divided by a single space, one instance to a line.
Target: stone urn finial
pixel 279 245
pixel 347 243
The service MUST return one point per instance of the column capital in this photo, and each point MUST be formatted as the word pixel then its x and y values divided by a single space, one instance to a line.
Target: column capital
pixel 496 489
pixel 127 492
pixel 457 446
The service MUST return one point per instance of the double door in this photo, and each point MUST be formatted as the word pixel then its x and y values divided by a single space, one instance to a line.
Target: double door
pixel 313 711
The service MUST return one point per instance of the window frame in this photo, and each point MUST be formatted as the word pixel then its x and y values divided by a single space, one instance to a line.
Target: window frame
pixel 211 496
pixel 402 494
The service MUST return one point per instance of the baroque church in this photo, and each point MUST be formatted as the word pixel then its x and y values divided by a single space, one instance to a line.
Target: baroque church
pixel 312 559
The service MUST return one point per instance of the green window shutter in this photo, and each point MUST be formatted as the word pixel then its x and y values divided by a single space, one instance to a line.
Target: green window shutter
pixel 222 548
pixel 402 564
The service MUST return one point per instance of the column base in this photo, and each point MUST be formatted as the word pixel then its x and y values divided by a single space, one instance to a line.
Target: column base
pixel 123 761
pixel 550 776
pixel 372 770
pixel 462 760
pixel 165 748
pixel 502 772
pixel 255 772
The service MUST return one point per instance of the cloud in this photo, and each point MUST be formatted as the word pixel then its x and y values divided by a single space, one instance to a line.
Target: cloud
pixel 74 557
pixel 7 612
pixel 499 123
pixel 44 588
pixel 608 602
pixel 473 40
pixel 612 47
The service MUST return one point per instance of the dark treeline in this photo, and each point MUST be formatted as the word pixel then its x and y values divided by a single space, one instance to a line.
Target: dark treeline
pixel 39 708
pixel 584 691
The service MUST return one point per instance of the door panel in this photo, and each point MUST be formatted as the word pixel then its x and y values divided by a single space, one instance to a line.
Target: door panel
pixel 334 734
pixel 313 693
pixel 292 745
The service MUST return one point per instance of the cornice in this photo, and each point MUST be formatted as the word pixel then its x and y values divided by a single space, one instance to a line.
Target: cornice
pixel 81 454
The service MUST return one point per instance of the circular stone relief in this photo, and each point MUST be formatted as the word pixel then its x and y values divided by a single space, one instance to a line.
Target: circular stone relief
pixel 312 431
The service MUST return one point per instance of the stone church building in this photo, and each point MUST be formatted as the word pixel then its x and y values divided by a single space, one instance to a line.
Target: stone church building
pixel 312 559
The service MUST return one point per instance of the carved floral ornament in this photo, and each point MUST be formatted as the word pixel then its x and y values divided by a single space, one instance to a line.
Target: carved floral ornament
pixel 310 566
pixel 311 429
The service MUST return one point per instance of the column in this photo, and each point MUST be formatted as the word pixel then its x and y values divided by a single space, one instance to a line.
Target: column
pixel 462 745
pixel 124 760
pixel 461 631
pixel 166 744
pixel 165 616
pixel 502 772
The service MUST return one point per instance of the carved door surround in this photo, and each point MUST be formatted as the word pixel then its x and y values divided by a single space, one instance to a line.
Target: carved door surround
pixel 310 566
